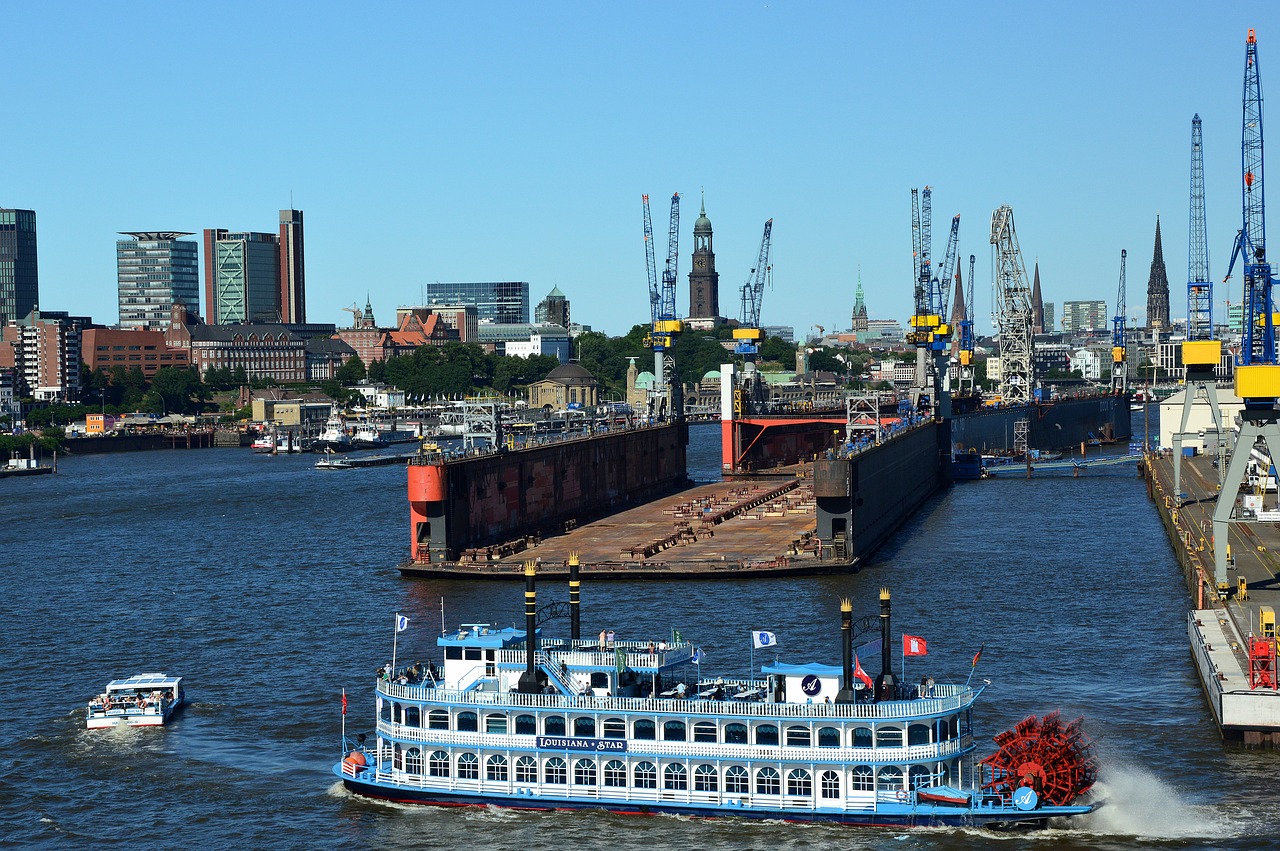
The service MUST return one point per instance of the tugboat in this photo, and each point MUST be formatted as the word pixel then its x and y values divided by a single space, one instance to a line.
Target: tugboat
pixel 511 718
pixel 334 437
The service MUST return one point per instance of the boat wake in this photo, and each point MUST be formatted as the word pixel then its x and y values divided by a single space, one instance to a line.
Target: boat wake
pixel 1135 802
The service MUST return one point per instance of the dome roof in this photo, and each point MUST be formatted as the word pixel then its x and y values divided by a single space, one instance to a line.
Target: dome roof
pixel 645 381
pixel 571 373
pixel 711 375
pixel 702 226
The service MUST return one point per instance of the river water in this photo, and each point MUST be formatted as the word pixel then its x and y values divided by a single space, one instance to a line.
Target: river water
pixel 271 586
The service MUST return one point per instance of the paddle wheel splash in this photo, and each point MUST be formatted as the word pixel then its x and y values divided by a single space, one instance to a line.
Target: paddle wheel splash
pixel 1041 762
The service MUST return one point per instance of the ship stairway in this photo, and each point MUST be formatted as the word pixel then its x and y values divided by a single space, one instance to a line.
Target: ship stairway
pixel 841 546
pixel 558 674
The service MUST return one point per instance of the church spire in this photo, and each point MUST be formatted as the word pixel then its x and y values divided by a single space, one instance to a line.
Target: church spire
pixel 1158 286
pixel 1037 304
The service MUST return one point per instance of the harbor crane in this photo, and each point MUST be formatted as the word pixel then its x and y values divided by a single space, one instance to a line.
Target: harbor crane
pixel 1257 374
pixel 1012 311
pixel 929 333
pixel 968 385
pixel 662 305
pixel 748 337
pixel 1119 365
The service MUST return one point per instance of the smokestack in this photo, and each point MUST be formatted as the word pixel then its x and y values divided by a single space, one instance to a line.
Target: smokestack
pixel 529 679
pixel 846 694
pixel 575 624
pixel 885 689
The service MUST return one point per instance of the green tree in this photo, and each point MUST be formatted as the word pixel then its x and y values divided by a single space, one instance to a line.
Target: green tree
pixel 352 371
pixel 175 391
pixel 778 350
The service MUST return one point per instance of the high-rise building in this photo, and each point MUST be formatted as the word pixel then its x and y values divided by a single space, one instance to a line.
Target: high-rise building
pixel 1082 317
pixel 1158 287
pixel 43 349
pixel 242 277
pixel 154 271
pixel 19 277
pixel 554 309
pixel 504 302
pixel 704 280
pixel 293 279
pixel 1048 318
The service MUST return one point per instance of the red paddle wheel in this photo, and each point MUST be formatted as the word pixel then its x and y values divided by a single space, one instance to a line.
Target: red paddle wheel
pixel 1054 759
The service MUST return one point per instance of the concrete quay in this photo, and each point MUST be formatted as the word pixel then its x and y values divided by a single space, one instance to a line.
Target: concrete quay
pixel 1220 630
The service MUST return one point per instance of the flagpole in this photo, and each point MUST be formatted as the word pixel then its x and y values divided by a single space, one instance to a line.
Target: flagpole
pixel 395 637
pixel 753 656
pixel 344 719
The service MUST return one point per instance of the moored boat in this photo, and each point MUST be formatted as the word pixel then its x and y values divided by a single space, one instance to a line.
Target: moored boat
pixel 633 727
pixel 334 436
pixel 143 700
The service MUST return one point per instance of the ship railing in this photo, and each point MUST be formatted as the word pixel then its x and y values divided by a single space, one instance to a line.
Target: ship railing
pixel 946 699
pixel 693 750
pixel 588 655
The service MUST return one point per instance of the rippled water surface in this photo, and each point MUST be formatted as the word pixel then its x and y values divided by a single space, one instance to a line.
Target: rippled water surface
pixel 271 586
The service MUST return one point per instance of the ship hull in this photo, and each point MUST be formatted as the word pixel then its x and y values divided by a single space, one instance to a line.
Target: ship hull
pixel 1061 424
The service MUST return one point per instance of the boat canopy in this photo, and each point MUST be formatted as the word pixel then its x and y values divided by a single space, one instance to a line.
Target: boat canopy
pixel 815 668
pixel 482 635
pixel 145 681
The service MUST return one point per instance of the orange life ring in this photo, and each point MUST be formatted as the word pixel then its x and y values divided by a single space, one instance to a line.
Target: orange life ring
pixel 902 795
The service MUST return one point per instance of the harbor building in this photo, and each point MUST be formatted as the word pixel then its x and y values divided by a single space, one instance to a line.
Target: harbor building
pixel 43 350
pixel 154 271
pixel 19 275
pixel 463 318
pixel 525 339
pixel 242 277
pixel 567 384
pixel 293 278
pixel 101 349
pixel 553 310
pixel 417 327
pixel 1084 316
pixel 704 280
pixel 496 301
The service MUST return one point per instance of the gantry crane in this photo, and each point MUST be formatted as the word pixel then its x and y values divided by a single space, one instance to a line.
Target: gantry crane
pixel 929 330
pixel 662 304
pixel 749 335
pixel 1119 364
pixel 1201 353
pixel 1257 374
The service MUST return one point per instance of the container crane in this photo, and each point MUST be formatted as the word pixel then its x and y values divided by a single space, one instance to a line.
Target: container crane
pixel 749 335
pixel 662 303
pixel 1119 366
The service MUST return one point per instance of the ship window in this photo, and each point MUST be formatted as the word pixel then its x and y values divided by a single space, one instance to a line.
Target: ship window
pixel 467 722
pixel 674 776
pixel 646 776
pixel 413 761
pixel 767 782
pixel 799 782
pixel 385 714
pixel 496 768
pixel 890 777
pixel 889 737
pixel 862 737
pixel 919 775
pixel 412 716
pixel 863 779
pixel 735 780
pixel 526 725
pixel 553 726
pixel 438 764
pixel 705 779
pixel 918 734
pixel 615 773
pixel 615 728
pixel 397 757
pixel 584 773
pixel 766 734
pixel 471 653
pixel 585 727
pixel 673 731
pixel 526 770
pixel 495 723
pixel 556 771
pixel 830 784
pixel 468 767
pixel 798 737
pixel 828 737
pixel 645 729
pixel 438 719
pixel 704 731
pixel 735 734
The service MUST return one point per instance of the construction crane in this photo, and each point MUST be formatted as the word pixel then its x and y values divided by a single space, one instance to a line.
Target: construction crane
pixel 1119 366
pixel 356 314
pixel 749 335
pixel 1012 310
pixel 662 304
pixel 1257 375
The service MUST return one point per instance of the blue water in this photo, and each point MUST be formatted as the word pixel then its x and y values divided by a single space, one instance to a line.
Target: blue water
pixel 271 587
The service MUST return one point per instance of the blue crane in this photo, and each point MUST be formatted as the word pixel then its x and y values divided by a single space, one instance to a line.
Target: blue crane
pixel 748 336
pixel 938 291
pixel 1119 378
pixel 1199 284
pixel 662 305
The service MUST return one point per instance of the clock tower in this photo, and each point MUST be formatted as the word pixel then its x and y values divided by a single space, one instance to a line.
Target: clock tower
pixel 704 280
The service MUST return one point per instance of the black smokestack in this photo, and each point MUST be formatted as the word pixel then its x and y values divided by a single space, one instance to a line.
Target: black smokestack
pixel 847 694
pixel 575 624
pixel 529 679
pixel 885 689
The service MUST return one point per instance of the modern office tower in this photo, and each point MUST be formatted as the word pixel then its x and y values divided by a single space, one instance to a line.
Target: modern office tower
pixel 154 271
pixel 1084 316
pixel 293 279
pixel 504 302
pixel 241 277
pixel 554 309
pixel 19 278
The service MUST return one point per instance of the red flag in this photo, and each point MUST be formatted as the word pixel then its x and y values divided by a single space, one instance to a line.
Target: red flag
pixel 978 655
pixel 914 645
pixel 861 674
pixel 344 701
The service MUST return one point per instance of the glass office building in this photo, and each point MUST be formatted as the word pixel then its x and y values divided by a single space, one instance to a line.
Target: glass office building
pixel 505 302
pixel 19 279
pixel 154 271
pixel 242 277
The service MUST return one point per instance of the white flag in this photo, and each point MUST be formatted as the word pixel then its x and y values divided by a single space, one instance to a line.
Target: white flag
pixel 402 623
pixel 763 639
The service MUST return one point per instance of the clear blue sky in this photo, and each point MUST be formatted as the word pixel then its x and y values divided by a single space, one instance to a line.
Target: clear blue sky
pixel 513 141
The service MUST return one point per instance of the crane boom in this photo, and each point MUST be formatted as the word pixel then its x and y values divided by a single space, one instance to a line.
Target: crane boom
pixel 938 291
pixel 669 274
pixel 654 298
pixel 748 336
pixel 1119 380
pixel 1199 284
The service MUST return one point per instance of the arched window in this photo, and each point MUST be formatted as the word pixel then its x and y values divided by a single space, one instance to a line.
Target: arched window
pixel 468 767
pixel 615 773
pixel 438 764
pixel 828 737
pixel 862 778
pixel 644 729
pixel 584 773
pixel 557 771
pixel 705 779
pixel 768 782
pixel 798 737
pixel 735 780
pixel 918 775
pixel 615 728
pixel 889 737
pixel 412 716
pixel 799 782
pixel 918 734
pixel 830 784
pixel 674 776
pixel 413 760
pixel 704 731
pixel 646 776
pixel 862 737
pixel 526 770
pixel 735 734
pixel 889 778
pixel 673 731
pixel 584 727
pixel 466 722
pixel 766 734
pixel 553 726
pixel 496 768
pixel 438 719
pixel 495 722
pixel 526 725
